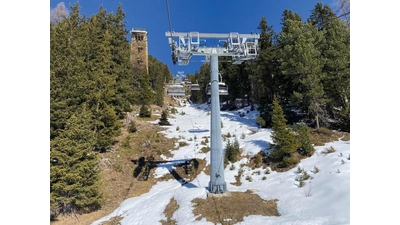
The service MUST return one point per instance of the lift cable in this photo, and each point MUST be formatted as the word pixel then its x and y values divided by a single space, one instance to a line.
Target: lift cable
pixel 169 18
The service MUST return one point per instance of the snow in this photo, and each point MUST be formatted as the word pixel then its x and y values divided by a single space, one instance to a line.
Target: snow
pixel 325 199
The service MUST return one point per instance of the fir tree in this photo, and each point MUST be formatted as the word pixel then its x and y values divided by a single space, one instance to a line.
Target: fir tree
pixel 145 111
pixel 285 142
pixel 164 120
pixel 306 147
pixel 146 93
pixel 74 175
pixel 232 150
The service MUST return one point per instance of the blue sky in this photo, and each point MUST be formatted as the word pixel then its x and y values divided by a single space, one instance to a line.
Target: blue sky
pixel 208 16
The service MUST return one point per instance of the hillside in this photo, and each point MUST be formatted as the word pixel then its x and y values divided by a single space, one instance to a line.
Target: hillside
pixel 171 193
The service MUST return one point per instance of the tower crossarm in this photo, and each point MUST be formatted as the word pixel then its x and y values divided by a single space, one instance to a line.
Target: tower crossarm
pixel 240 47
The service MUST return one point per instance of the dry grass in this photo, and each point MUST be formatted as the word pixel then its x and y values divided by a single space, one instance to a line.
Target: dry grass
pixel 169 212
pixel 323 135
pixel 231 209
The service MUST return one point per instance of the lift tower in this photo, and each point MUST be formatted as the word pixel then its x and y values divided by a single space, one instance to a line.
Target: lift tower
pixel 240 47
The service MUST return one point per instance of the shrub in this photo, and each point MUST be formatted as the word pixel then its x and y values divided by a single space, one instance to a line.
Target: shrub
pixel 182 144
pixel 302 177
pixel 329 150
pixel 173 110
pixel 324 131
pixel 145 111
pixel 257 159
pixel 132 127
pixel 316 169
pixel 249 178
pixel 232 167
pixel 260 121
pixel 289 161
pixel 205 149
pixel 232 150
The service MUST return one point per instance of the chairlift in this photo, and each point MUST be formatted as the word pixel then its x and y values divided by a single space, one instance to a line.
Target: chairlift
pixel 195 87
pixel 223 88
pixel 176 90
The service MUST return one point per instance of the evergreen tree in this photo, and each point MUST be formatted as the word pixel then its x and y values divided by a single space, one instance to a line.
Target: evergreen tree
pixel 164 120
pixel 158 75
pixel 120 52
pixel 285 142
pixel 132 127
pixel 336 52
pixel 74 175
pixel 232 150
pixel 146 94
pixel 66 70
pixel 263 74
pixel 145 111
pixel 301 63
pixel 306 147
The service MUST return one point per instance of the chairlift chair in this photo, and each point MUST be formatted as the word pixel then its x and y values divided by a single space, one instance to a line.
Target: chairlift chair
pixel 176 90
pixel 195 87
pixel 223 88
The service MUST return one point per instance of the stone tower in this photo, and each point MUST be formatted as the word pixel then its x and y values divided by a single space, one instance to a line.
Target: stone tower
pixel 139 49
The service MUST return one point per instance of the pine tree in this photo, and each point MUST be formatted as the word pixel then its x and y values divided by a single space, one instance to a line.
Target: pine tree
pixel 164 120
pixel 336 51
pixel 285 142
pixel 263 72
pixel 301 63
pixel 74 175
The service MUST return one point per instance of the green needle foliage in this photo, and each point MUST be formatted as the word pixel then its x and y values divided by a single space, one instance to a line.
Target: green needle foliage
pixel 164 120
pixel 74 174
pixel 306 147
pixel 285 142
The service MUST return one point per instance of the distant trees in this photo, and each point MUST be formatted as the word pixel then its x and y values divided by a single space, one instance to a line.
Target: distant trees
pixel 158 75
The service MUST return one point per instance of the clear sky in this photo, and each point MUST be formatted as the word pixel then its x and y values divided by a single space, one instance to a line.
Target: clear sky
pixel 207 16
